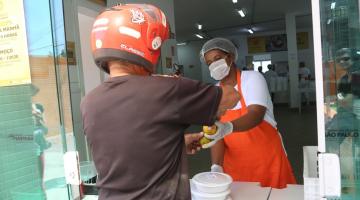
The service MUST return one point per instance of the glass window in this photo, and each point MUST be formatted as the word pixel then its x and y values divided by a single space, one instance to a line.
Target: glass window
pixel 35 118
pixel 341 69
pixel 264 64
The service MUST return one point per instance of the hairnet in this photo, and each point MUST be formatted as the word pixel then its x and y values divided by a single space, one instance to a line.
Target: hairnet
pixel 220 44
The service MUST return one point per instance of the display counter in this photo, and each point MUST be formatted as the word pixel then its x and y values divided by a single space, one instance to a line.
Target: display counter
pixel 293 192
pixel 253 191
pixel 249 191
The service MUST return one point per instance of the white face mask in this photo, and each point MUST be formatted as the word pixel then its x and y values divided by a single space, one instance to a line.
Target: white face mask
pixel 219 69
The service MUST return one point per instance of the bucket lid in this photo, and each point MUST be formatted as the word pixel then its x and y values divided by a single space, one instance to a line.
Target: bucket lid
pixel 212 179
pixel 198 194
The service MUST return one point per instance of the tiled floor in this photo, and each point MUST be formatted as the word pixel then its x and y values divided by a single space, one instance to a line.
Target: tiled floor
pixel 297 130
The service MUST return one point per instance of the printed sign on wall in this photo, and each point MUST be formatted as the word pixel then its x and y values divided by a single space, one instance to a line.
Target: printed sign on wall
pixel 271 43
pixel 14 59
pixel 256 44
pixel 302 40
pixel 276 43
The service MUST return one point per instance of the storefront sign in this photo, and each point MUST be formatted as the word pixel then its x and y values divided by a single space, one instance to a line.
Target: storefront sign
pixel 14 59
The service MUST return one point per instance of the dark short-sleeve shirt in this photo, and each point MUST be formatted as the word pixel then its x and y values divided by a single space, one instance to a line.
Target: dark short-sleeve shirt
pixel 350 87
pixel 135 127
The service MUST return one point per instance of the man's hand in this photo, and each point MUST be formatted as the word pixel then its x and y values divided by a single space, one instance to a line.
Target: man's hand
pixel 346 101
pixel 192 142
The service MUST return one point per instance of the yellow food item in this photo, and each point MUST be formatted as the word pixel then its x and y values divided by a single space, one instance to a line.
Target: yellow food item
pixel 205 140
pixel 210 130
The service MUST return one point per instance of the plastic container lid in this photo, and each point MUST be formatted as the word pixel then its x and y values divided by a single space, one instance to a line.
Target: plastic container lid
pixel 199 195
pixel 212 179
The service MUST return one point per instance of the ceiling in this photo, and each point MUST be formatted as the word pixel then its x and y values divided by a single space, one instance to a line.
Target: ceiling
pixel 220 18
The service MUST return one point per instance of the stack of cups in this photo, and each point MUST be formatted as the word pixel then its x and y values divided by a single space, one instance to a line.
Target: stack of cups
pixel 211 186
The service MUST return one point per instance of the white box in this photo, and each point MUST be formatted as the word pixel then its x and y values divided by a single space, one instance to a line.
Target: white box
pixel 311 179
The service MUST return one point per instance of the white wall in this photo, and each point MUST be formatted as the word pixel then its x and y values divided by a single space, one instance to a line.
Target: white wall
pixel 92 75
pixel 189 55
pixel 305 55
pixel 85 75
pixel 77 31
pixel 90 5
pixel 79 17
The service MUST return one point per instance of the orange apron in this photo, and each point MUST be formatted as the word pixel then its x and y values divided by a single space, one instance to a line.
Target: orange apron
pixel 256 155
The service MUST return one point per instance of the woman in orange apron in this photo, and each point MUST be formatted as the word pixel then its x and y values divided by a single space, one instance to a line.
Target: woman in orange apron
pixel 254 151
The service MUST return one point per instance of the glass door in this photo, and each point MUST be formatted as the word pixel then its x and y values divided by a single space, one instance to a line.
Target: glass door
pixel 337 57
pixel 35 113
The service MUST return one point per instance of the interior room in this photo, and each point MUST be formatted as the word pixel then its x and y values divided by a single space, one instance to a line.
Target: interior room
pixel 222 19
pixel 304 55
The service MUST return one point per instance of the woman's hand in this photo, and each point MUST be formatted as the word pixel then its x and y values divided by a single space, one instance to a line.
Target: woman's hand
pixel 223 129
pixel 192 142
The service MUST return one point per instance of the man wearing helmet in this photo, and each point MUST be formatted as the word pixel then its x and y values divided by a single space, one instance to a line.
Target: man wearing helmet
pixel 135 122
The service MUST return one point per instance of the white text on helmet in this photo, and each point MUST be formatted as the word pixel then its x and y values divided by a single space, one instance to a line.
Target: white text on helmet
pixel 135 51
pixel 102 28
pixel 130 32
pixel 101 22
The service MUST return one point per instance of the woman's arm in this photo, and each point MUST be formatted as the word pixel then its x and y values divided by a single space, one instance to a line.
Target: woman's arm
pixel 252 118
pixel 217 153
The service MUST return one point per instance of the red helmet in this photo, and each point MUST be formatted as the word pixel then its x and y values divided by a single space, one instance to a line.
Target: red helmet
pixel 132 33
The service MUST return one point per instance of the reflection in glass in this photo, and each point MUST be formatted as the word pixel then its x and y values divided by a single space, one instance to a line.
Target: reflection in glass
pixel 341 68
pixel 35 118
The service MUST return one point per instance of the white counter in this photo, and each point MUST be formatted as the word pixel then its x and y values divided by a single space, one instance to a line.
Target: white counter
pixel 293 192
pixel 249 191
pixel 253 191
